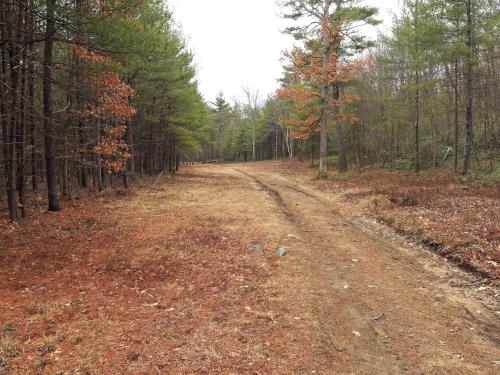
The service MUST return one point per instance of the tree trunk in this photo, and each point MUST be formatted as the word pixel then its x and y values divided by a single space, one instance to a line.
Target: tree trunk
pixel 417 101
pixel 83 170
pixel 456 116
pixel 323 142
pixel 8 141
pixel 173 157
pixel 100 180
pixel 31 102
pixel 253 141
pixel 21 135
pixel 326 45
pixel 130 143
pixel 48 120
pixel 276 144
pixel 338 130
pixel 14 62
pixel 417 127
pixel 469 135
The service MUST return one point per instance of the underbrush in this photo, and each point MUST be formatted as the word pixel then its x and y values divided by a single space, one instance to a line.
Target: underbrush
pixel 484 176
pixel 457 217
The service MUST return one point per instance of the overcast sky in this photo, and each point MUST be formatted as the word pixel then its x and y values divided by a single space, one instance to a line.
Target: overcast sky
pixel 238 42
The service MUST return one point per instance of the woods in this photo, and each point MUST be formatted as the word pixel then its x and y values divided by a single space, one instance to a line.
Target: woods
pixel 96 93
pixel 92 93
pixel 441 65
pixel 423 96
pixel 249 187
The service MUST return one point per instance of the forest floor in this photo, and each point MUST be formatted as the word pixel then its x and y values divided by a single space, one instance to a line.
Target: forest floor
pixel 431 208
pixel 184 278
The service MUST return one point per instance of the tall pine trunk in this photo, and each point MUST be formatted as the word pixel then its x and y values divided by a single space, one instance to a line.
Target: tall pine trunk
pixel 14 64
pixel 253 140
pixel 469 135
pixel 338 129
pixel 417 123
pixel 48 120
pixel 323 142
pixel 417 96
pixel 21 127
pixel 455 84
pixel 99 169
pixel 336 109
pixel 31 98
pixel 6 116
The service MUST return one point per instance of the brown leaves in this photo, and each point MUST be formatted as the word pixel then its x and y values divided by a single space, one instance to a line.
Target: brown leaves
pixel 87 55
pixel 110 106
pixel 306 104
pixel 435 207
pixel 308 75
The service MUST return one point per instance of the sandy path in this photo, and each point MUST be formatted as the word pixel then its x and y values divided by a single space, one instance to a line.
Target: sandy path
pixel 373 305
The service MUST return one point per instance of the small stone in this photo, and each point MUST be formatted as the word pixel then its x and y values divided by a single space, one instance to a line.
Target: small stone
pixel 281 252
pixel 254 247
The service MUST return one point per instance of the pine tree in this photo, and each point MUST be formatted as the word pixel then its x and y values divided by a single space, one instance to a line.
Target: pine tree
pixel 334 32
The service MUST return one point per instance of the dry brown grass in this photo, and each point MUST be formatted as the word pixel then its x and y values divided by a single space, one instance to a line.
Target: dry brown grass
pixel 153 282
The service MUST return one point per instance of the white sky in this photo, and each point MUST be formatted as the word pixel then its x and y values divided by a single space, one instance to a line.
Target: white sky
pixel 238 42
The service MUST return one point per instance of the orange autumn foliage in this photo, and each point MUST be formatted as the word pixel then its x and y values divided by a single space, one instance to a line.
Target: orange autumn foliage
pixel 87 55
pixel 306 105
pixel 307 76
pixel 110 107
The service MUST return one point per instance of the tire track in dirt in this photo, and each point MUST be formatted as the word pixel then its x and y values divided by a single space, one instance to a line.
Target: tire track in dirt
pixel 273 194
pixel 369 354
pixel 413 333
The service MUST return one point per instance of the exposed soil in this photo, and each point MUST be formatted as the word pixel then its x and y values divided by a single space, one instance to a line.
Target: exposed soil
pixel 185 280
pixel 457 219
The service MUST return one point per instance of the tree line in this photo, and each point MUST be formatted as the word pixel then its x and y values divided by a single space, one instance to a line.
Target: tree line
pixel 92 92
pixel 425 95
pixel 438 72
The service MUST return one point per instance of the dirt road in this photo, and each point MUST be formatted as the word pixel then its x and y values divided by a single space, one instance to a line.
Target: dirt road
pixel 183 278
pixel 366 302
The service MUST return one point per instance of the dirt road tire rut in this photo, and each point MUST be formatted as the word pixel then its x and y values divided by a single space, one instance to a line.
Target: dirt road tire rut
pixel 359 273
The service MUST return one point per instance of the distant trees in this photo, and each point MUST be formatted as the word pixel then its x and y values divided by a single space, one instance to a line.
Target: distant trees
pixel 429 92
pixel 251 111
pixel 91 91
pixel 418 34
pixel 441 58
pixel 245 131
